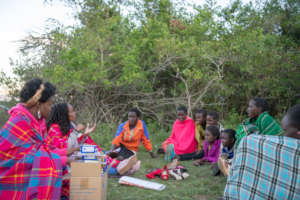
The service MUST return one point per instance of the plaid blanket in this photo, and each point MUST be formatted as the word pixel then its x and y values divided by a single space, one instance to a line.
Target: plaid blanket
pixel 265 124
pixel 28 170
pixel 265 167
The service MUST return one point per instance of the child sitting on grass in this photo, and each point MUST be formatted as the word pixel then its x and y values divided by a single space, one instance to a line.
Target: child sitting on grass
pixel 227 152
pixel 211 146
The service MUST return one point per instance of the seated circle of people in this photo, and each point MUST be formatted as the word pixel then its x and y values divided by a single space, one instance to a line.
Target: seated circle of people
pixel 258 161
pixel 129 136
pixel 28 169
pixel 268 166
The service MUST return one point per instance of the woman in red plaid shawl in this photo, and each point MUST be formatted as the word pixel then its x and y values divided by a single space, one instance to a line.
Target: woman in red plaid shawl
pixel 28 170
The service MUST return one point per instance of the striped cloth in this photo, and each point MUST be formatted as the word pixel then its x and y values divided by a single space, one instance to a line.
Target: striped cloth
pixel 265 167
pixel 28 170
pixel 265 124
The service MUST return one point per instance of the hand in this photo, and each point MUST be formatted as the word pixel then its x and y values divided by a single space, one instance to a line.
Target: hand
pixel 80 127
pixel 89 129
pixel 72 150
pixel 152 154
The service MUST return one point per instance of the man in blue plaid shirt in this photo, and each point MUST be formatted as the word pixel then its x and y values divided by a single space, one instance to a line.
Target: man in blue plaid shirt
pixel 268 167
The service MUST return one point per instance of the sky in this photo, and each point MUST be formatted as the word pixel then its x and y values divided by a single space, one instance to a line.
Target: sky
pixel 20 17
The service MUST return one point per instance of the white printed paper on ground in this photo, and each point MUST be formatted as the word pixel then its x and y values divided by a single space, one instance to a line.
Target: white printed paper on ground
pixel 141 183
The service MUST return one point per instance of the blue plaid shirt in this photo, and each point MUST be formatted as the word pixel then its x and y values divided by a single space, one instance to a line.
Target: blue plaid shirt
pixel 265 167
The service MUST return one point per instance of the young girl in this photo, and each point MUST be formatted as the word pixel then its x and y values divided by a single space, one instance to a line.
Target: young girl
pixel 227 151
pixel 200 123
pixel 211 146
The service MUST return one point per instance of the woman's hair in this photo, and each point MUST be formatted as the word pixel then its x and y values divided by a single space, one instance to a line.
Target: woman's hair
pixel 31 87
pixel 182 108
pixel 261 103
pixel 214 130
pixel 214 115
pixel 60 114
pixel 136 111
pixel 293 115
pixel 230 132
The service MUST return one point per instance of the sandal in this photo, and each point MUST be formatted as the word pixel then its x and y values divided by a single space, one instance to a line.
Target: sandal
pixel 154 173
pixel 164 173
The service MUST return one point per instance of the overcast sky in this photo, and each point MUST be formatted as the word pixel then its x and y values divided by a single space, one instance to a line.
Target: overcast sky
pixel 20 17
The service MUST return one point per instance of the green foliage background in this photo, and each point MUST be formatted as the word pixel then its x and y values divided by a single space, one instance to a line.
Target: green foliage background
pixel 164 53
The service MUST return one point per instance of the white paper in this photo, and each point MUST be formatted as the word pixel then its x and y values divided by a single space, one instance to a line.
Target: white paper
pixel 141 183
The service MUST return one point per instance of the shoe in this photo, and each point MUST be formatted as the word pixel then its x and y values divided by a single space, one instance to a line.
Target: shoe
pixel 170 153
pixel 154 173
pixel 164 174
pixel 175 175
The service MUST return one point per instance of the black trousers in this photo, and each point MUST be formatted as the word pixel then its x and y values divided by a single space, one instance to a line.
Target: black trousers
pixel 124 152
pixel 191 156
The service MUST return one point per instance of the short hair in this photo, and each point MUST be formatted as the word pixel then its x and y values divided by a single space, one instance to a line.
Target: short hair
pixel 293 115
pixel 214 115
pixel 30 88
pixel 261 103
pixel 182 108
pixel 201 111
pixel 230 132
pixel 59 114
pixel 214 131
pixel 136 111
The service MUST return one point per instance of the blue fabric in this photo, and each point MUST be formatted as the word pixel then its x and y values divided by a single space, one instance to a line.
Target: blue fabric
pixel 112 171
pixel 265 167
pixel 230 152
pixel 120 128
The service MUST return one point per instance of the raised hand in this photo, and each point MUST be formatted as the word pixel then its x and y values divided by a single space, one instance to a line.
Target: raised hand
pixel 89 129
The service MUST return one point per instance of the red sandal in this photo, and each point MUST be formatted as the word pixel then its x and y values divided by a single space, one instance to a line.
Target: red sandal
pixel 164 173
pixel 154 173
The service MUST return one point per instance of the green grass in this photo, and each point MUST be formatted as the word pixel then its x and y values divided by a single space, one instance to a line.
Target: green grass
pixel 200 185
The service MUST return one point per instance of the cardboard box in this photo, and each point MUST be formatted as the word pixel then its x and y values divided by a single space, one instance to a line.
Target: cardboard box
pixel 87 182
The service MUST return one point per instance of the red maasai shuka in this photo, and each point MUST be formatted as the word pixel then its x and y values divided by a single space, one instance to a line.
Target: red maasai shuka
pixel 183 137
pixel 28 170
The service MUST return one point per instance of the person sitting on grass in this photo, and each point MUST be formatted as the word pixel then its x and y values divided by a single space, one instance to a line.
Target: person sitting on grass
pixel 29 170
pixel 200 124
pixel 227 152
pixel 212 119
pixel 211 147
pixel 259 121
pixel 126 144
pixel 267 166
pixel 182 142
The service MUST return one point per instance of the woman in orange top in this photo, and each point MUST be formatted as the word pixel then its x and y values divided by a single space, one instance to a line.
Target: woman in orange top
pixel 128 141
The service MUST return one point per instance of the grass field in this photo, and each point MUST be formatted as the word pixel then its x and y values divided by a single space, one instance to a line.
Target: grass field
pixel 200 185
